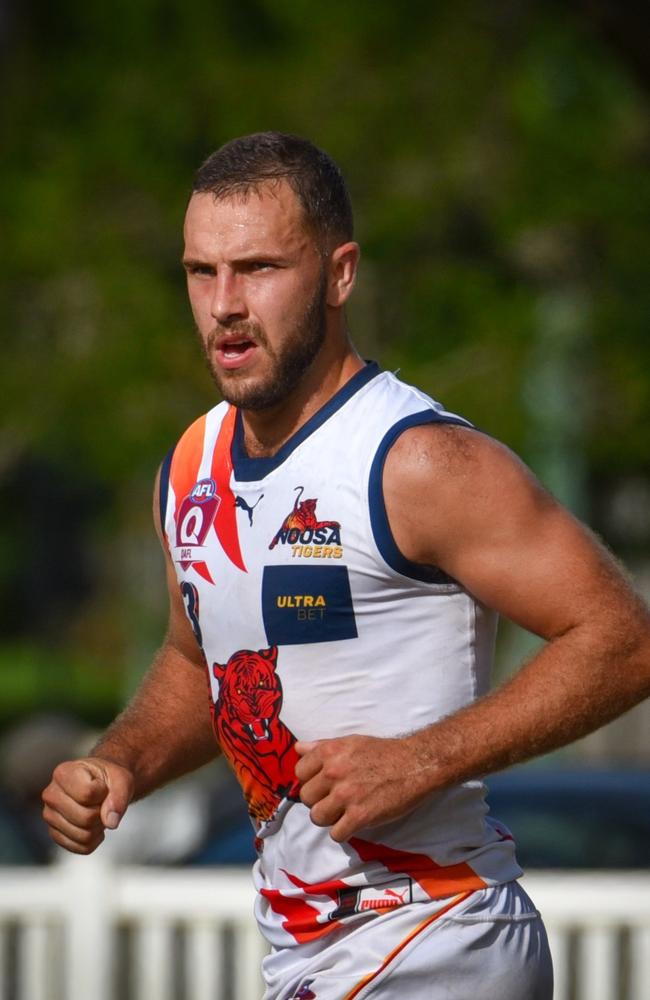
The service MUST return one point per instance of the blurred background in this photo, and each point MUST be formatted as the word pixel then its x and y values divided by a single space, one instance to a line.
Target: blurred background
pixel 498 160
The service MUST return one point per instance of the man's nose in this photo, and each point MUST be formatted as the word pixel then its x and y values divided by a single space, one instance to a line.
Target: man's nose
pixel 228 302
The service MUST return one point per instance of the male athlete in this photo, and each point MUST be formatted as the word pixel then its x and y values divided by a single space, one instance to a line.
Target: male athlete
pixel 337 547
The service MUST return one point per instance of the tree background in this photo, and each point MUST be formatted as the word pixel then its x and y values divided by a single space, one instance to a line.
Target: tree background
pixel 498 160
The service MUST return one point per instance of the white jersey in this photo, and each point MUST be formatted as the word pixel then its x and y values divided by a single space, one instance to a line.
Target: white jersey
pixel 314 625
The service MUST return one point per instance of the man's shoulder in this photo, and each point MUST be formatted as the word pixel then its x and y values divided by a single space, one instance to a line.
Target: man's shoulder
pixel 445 485
pixel 447 451
pixel 439 441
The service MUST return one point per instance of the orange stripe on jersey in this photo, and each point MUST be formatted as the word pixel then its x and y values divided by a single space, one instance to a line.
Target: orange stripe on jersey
pixel 187 459
pixel 400 947
pixel 225 523
pixel 437 880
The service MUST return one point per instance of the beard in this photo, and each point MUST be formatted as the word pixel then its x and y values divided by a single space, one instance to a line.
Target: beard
pixel 288 363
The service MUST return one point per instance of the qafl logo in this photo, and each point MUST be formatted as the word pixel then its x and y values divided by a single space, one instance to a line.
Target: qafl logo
pixel 195 517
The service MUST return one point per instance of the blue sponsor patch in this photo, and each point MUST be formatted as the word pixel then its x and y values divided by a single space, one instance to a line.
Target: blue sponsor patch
pixel 307 604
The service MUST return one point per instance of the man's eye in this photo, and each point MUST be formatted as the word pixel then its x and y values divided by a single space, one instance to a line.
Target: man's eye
pixel 200 270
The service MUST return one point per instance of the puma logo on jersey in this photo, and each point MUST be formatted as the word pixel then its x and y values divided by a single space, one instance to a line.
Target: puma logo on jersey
pixel 377 898
pixel 398 896
pixel 302 526
pixel 244 505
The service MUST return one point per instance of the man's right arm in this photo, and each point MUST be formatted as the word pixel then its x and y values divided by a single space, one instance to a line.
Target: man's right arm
pixel 164 732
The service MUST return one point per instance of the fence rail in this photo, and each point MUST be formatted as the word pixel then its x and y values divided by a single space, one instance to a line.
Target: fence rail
pixel 86 930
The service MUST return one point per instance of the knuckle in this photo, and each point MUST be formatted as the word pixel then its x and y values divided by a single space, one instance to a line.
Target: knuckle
pixel 63 771
pixel 346 792
pixel 47 814
pixel 48 796
pixel 94 841
pixel 57 837
pixel 318 816
pixel 357 814
pixel 331 770
pixel 337 798
pixel 90 797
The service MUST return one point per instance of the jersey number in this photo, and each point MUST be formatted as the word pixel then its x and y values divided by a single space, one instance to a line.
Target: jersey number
pixel 191 599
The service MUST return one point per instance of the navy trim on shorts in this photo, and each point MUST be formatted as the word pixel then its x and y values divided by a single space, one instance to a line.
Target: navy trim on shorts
pixel 249 470
pixel 163 490
pixel 378 516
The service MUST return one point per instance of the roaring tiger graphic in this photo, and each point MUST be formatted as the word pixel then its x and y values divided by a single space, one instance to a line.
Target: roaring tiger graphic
pixel 302 518
pixel 246 719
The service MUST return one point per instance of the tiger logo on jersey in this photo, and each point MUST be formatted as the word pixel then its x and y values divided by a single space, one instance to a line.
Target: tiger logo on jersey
pixel 253 737
pixel 306 535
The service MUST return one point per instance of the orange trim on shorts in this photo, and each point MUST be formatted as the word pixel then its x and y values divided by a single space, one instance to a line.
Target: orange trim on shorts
pixel 400 947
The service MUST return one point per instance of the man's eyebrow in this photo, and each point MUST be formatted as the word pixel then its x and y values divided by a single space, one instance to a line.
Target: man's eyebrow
pixel 193 262
pixel 259 253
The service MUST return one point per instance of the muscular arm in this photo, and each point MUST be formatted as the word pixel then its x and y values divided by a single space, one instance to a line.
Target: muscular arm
pixel 459 500
pixel 515 549
pixel 163 733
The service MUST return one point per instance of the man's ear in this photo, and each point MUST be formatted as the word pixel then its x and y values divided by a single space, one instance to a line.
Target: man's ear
pixel 343 265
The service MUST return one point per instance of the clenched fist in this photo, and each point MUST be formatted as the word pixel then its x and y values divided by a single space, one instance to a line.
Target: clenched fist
pixel 84 798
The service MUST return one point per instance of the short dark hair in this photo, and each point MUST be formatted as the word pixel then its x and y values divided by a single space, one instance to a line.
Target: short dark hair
pixel 243 164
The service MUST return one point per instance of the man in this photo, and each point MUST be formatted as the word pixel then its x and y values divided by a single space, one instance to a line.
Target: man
pixel 337 547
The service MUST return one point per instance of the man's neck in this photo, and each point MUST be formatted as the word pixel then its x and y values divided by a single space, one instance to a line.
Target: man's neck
pixel 265 431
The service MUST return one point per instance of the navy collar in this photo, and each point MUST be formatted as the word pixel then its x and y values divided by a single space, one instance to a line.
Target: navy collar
pixel 255 469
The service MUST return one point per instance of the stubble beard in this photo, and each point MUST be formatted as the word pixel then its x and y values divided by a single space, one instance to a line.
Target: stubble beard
pixel 288 364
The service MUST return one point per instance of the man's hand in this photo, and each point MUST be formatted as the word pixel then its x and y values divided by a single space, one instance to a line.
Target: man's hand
pixel 84 798
pixel 357 781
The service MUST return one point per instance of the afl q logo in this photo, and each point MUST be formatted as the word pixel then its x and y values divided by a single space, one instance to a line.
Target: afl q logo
pixel 195 517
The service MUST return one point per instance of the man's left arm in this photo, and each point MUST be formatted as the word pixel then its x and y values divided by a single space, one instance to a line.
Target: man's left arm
pixel 459 500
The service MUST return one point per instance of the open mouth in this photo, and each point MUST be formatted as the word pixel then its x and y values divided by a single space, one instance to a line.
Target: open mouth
pixel 233 353
pixel 259 729
pixel 236 348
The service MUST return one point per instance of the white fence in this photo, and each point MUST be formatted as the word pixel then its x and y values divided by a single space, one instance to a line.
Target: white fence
pixel 84 930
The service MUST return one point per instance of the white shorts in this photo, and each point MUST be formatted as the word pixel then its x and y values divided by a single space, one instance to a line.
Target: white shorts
pixel 484 945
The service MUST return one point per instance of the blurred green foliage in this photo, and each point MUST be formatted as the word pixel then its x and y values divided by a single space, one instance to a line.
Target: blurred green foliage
pixel 498 159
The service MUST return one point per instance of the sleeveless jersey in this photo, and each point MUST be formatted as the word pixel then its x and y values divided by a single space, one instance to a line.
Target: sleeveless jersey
pixel 314 625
